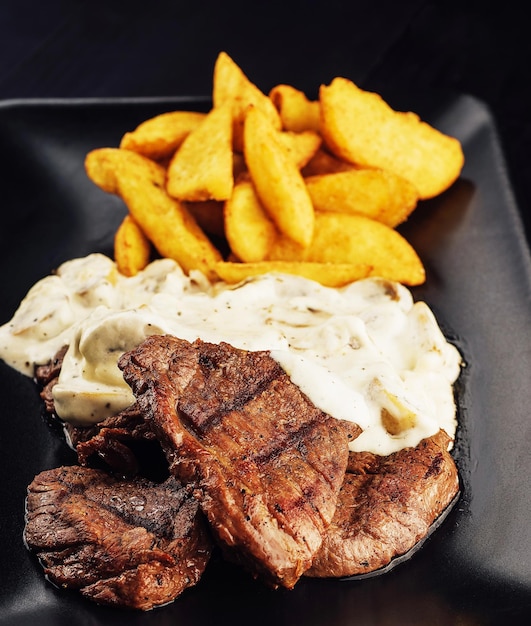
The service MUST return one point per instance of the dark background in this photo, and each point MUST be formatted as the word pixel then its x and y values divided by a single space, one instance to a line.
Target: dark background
pixel 80 48
pixel 101 49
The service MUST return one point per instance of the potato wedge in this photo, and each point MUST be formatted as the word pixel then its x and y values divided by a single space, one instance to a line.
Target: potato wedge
pixel 377 194
pixel 301 146
pixel 328 274
pixel 132 249
pixel 297 112
pixel 158 137
pixel 277 179
pixel 100 167
pixel 231 84
pixel 249 230
pixel 358 240
pixel 360 127
pixel 166 222
pixel 201 169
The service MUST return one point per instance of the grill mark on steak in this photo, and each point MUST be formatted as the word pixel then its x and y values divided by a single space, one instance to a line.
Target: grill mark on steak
pixel 131 543
pixel 386 506
pixel 218 387
pixel 265 463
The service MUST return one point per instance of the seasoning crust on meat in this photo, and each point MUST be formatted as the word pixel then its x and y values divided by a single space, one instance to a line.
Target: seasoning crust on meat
pixel 265 463
pixel 130 543
pixel 385 506
pixel 281 492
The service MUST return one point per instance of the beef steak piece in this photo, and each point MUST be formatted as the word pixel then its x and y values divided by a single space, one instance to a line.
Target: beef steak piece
pixel 266 464
pixel 122 443
pixel 386 505
pixel 47 376
pixel 130 543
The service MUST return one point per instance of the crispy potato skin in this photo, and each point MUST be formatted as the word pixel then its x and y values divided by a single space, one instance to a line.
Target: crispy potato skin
pixel 277 179
pixel 297 112
pixel 378 194
pixel 167 223
pixel 356 240
pixel 158 137
pixel 230 84
pixel 328 274
pixel 361 128
pixel 132 249
pixel 249 230
pixel 277 182
pixel 202 167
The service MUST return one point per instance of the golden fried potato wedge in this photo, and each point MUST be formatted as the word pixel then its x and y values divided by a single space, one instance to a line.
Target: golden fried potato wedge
pixel 378 194
pixel 132 249
pixel 201 169
pixel 231 84
pixel 301 146
pixel 360 127
pixel 323 162
pixel 170 227
pixel 277 179
pixel 328 274
pixel 358 240
pixel 249 230
pixel 297 112
pixel 99 167
pixel 158 137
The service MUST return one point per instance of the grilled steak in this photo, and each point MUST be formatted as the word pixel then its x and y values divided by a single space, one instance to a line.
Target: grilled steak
pixel 386 505
pixel 265 463
pixel 131 543
pixel 47 375
pixel 123 442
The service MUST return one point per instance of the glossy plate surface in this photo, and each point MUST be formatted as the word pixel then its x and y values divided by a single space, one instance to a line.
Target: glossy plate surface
pixel 476 568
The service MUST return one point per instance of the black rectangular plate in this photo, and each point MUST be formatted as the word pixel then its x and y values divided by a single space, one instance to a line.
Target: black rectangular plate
pixel 476 568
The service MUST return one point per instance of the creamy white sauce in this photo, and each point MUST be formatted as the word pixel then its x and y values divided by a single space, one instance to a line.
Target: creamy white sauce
pixel 366 352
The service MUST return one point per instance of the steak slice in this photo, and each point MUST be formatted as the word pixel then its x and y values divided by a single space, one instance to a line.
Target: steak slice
pixel 123 443
pixel 266 464
pixel 386 505
pixel 47 376
pixel 131 543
